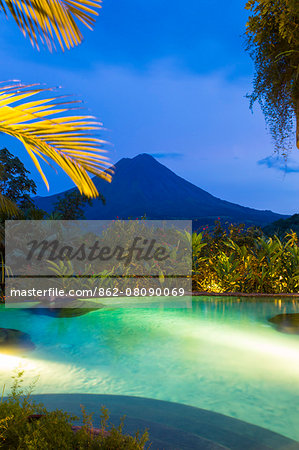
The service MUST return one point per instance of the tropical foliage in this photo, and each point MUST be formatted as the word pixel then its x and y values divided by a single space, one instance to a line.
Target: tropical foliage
pixel 46 133
pixel 240 260
pixel 42 125
pixel 27 425
pixel 273 43
pixel 14 181
pixel 229 258
pixel 126 249
pixel 282 226
pixel 7 207
pixel 70 206
pixel 49 21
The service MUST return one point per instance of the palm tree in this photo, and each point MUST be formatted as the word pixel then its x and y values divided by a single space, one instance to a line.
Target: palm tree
pixel 52 20
pixel 8 207
pixel 41 124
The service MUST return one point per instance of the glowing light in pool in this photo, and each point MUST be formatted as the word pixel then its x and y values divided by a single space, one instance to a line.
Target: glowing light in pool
pixel 9 362
pixel 48 374
pixel 222 356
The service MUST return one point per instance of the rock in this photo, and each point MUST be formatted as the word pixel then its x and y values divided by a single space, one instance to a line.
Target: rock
pixel 59 309
pixel 14 341
pixel 286 323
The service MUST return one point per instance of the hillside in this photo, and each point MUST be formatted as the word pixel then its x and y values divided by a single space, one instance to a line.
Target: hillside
pixel 143 186
pixel 282 226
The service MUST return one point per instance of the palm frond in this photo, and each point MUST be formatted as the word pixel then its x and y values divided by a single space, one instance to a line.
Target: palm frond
pixel 8 208
pixel 47 133
pixel 52 20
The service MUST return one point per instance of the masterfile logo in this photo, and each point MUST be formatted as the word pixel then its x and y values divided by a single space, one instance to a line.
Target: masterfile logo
pixel 97 258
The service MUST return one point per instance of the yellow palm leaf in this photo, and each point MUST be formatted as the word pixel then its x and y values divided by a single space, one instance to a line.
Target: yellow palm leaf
pixel 8 208
pixel 51 20
pixel 47 133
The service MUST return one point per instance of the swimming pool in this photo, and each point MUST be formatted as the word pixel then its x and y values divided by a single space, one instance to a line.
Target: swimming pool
pixel 221 355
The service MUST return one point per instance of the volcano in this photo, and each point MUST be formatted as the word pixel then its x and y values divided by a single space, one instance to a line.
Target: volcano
pixel 142 186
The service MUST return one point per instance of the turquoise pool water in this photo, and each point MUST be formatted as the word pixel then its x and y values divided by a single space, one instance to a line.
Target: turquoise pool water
pixel 221 355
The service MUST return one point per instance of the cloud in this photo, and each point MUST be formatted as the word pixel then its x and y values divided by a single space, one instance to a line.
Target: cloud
pixel 165 112
pixel 167 155
pixel 280 164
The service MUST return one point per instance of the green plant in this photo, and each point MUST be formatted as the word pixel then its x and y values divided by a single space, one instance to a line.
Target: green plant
pixel 27 425
pixel 71 205
pixel 236 259
pixel 273 43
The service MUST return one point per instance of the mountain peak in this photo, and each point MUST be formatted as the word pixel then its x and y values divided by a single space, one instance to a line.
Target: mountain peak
pixel 143 186
pixel 144 157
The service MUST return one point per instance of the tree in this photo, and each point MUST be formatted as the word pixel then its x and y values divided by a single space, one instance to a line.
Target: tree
pixel 41 125
pixel 273 43
pixel 283 226
pixel 16 189
pixel 14 181
pixel 71 205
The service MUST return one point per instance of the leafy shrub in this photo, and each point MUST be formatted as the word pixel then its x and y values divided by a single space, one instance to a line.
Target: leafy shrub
pixel 53 430
pixel 236 259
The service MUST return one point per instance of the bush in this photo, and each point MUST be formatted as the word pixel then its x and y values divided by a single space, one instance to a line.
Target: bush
pixel 236 259
pixel 21 429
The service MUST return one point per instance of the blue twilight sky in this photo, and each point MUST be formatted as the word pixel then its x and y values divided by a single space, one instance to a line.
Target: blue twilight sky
pixel 167 78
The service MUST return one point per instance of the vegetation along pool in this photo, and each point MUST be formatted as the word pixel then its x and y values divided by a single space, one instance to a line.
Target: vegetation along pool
pixel 222 354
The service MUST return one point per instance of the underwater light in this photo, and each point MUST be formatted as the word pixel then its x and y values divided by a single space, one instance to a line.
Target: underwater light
pixel 9 362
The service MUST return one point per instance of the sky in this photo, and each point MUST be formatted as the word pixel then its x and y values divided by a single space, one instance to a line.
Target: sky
pixel 168 78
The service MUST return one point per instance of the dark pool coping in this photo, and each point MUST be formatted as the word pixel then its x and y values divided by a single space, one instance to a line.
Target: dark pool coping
pixel 249 296
pixel 173 425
